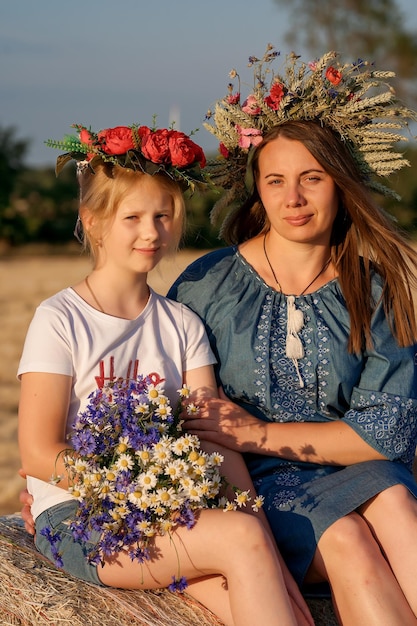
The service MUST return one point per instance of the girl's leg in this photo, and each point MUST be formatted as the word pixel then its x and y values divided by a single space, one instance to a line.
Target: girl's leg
pixel 392 517
pixel 231 544
pixel 235 469
pixel 212 592
pixel 363 586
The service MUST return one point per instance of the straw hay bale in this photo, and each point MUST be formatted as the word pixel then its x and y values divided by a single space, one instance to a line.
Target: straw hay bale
pixel 33 592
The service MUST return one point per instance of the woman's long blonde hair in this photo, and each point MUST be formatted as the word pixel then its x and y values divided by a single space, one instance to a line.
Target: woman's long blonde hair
pixel 364 238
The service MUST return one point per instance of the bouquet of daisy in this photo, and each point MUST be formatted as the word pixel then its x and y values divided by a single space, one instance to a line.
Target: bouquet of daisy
pixel 134 472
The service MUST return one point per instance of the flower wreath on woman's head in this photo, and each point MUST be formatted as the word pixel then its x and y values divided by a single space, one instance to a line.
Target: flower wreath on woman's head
pixel 353 99
pixel 140 148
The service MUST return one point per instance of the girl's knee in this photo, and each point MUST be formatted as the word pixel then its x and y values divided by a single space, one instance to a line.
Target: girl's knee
pixel 249 531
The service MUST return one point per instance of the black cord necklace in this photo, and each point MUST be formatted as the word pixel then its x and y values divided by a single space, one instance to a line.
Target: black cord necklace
pixel 323 269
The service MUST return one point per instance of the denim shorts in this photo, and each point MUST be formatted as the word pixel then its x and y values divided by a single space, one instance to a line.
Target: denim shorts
pixel 73 553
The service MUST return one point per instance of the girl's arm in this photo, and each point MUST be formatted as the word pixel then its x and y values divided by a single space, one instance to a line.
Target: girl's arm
pixel 43 410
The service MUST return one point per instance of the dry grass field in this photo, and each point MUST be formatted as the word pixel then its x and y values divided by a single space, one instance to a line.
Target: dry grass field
pixel 26 279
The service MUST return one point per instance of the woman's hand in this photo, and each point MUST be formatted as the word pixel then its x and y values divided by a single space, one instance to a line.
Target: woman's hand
pixel 221 421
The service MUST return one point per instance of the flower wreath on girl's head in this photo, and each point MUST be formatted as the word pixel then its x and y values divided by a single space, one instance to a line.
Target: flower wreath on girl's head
pixel 140 148
pixel 353 99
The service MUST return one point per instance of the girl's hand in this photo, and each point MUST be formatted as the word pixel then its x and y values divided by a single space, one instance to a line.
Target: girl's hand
pixel 299 605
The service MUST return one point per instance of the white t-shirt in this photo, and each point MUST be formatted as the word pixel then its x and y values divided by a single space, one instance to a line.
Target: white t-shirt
pixel 68 336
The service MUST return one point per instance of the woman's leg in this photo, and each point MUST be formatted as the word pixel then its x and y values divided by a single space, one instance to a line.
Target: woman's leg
pixel 363 586
pixel 392 517
pixel 231 544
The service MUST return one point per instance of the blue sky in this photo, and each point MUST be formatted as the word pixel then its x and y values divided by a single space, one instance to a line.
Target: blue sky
pixel 102 63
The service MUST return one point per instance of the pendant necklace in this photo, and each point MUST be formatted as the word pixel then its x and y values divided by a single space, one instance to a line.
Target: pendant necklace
pixel 93 296
pixel 294 349
pixel 323 269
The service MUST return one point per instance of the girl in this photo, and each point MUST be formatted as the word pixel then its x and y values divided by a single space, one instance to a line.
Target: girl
pixel 112 325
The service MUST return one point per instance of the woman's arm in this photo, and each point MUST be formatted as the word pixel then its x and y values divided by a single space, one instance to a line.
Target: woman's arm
pixel 43 410
pixel 329 443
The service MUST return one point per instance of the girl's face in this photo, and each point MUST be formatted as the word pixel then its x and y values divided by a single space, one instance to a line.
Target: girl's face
pixel 142 229
pixel 299 197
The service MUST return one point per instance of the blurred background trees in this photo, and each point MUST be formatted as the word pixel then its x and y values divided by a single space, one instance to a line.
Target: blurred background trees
pixel 35 206
pixel 375 29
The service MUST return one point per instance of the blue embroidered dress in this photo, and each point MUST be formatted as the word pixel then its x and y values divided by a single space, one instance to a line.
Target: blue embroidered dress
pixel 374 392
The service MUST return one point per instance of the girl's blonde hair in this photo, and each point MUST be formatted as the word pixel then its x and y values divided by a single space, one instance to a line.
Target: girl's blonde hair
pixel 363 237
pixel 102 191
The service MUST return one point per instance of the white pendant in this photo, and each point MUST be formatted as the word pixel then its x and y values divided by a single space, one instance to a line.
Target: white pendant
pixel 294 349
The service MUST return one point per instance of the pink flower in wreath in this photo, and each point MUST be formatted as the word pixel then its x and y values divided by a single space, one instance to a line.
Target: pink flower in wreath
pixel 248 136
pixel 233 98
pixel 116 140
pixel 250 106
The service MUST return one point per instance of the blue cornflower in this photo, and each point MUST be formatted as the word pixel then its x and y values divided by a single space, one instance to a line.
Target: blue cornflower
pixel 178 584
pixel 79 531
pixel 140 554
pixel 54 539
pixel 83 442
pixel 358 64
pixel 187 518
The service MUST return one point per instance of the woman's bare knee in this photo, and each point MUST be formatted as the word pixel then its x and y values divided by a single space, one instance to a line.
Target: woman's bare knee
pixel 397 498
pixel 347 545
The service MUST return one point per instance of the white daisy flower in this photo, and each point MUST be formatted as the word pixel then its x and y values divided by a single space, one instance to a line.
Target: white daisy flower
pixel 242 498
pixel 258 503
pixel 144 455
pixel 184 392
pixel 124 462
pixel 147 480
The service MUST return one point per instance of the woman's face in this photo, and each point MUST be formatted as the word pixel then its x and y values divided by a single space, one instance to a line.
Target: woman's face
pixel 299 197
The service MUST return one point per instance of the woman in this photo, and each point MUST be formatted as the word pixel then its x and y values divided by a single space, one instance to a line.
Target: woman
pixel 310 315
pixel 112 326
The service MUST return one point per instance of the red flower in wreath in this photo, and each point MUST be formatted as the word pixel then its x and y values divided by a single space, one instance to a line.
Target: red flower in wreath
pixel 333 75
pixel 155 146
pixel 275 96
pixel 118 140
pixel 183 151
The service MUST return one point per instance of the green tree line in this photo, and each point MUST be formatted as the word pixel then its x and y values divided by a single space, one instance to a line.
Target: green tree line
pixel 37 207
